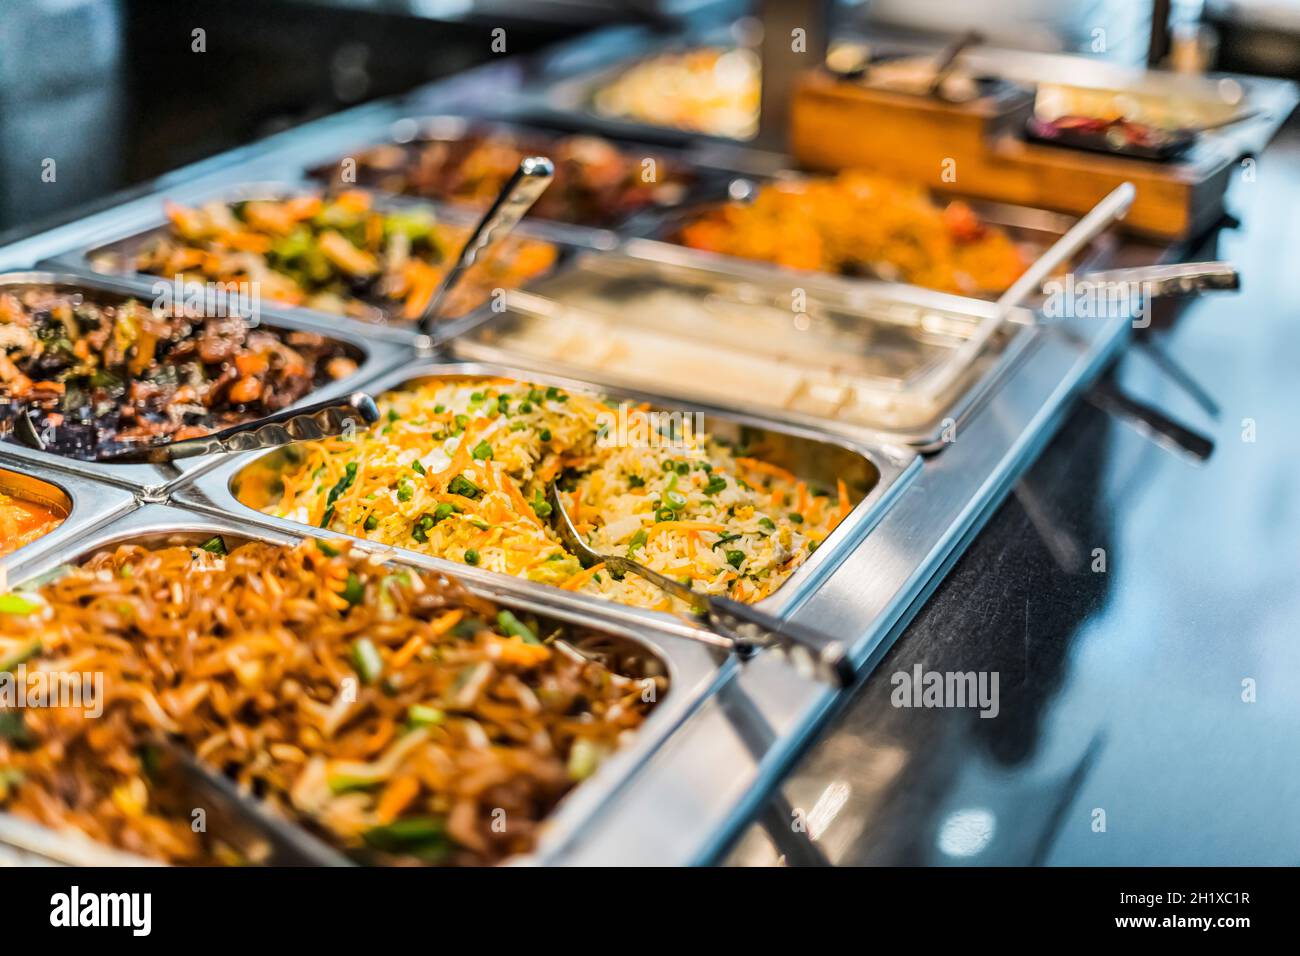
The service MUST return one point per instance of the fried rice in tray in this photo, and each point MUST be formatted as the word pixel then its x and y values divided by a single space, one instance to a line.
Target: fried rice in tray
pixel 458 469
pixel 389 711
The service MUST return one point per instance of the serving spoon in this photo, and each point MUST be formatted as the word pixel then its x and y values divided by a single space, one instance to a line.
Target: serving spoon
pixel 237 818
pixel 326 419
pixel 517 196
pixel 743 628
pixel 947 59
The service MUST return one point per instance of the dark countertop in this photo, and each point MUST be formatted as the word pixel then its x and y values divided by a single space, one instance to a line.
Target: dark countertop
pixel 1119 691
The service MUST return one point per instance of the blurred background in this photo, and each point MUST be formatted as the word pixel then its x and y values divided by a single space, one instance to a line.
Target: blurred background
pixel 117 92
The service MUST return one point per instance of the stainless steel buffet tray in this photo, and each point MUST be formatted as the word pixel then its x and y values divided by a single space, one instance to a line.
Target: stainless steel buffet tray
pixel 115 236
pixel 850 356
pixel 153 481
pixel 414 131
pixel 85 504
pixel 1031 229
pixel 697 793
pixel 881 471
pixel 692 674
pixel 572 100
pixel 687 797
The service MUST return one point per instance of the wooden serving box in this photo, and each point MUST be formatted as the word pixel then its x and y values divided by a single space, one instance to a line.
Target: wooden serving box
pixel 976 148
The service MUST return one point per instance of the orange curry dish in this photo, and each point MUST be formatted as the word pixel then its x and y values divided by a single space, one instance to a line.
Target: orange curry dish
pixel 23 521
pixel 860 224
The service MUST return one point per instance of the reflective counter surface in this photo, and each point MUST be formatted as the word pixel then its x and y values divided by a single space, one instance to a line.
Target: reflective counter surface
pixel 1124 732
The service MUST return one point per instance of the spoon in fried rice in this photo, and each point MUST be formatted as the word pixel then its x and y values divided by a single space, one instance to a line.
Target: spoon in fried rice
pixel 748 629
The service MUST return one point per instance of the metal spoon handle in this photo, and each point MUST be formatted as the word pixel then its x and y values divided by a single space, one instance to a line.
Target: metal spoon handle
pixel 1112 208
pixel 812 653
pixel 1184 278
pixel 523 188
pixel 697 601
pixel 325 419
pixel 948 57
pixel 739 627
pixel 1109 210
pixel 237 818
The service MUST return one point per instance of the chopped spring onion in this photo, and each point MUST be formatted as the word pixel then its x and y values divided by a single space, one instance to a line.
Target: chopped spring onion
pixel 515 627
pixel 17 604
pixel 422 715
pixel 354 592
pixel 584 758
pixel 422 837
pixel 366 660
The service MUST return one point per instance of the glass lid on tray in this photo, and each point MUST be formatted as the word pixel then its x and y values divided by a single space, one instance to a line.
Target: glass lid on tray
pixel 862 354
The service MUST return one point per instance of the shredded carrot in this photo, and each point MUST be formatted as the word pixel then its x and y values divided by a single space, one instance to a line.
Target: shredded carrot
pixel 407 652
pixel 767 468
pixel 516 495
pixel 845 505
pixel 515 650
pixel 445 623
pixel 396 797
pixel 468 505
pixel 582 577
pixel 379 739
pixel 459 461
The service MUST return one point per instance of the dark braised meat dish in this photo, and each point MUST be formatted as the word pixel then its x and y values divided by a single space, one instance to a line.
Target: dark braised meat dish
pixel 96 377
